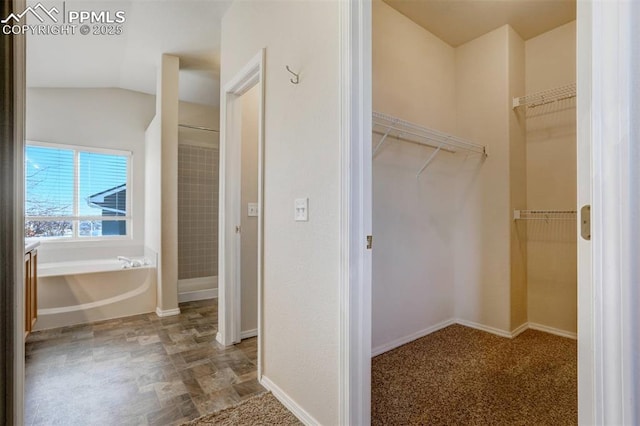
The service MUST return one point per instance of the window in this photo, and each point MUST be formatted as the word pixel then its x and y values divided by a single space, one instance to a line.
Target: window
pixel 76 193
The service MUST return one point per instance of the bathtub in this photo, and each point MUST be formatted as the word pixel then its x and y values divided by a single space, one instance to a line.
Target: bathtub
pixel 93 290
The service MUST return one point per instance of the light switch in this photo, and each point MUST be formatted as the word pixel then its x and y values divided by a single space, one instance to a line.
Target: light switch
pixel 252 210
pixel 301 209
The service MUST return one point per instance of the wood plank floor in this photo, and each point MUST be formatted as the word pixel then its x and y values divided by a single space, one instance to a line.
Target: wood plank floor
pixel 140 370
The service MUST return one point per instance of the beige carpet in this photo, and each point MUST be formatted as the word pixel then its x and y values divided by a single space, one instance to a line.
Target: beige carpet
pixel 462 376
pixel 259 410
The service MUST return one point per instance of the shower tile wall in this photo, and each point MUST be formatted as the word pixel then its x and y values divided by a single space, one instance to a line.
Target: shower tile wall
pixel 197 212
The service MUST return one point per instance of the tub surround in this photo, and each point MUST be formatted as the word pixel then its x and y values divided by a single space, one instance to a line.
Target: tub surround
pixel 53 269
pixel 89 290
pixel 31 245
pixel 88 297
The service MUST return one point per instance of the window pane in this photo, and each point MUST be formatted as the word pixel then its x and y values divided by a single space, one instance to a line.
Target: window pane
pixel 102 228
pixel 49 182
pixel 48 229
pixel 102 185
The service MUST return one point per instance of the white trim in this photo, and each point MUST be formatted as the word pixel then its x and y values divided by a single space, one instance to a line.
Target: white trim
pixel 167 313
pixel 20 137
pixel 482 327
pixel 83 148
pixel 200 283
pixel 610 339
pixel 553 330
pixel 229 294
pixel 378 350
pixel 411 337
pixel 355 109
pixel 519 330
pixel 586 302
pixel 288 402
pixel 192 296
pixel 248 333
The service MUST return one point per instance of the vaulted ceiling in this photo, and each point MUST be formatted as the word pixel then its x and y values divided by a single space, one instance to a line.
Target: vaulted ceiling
pixel 189 29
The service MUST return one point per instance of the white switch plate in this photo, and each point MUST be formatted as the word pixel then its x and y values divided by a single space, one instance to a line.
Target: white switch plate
pixel 252 209
pixel 301 213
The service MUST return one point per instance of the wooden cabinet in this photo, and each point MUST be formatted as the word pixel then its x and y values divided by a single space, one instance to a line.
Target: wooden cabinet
pixel 30 290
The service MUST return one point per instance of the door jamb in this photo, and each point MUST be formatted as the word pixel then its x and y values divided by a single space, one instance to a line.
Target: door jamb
pixel 252 74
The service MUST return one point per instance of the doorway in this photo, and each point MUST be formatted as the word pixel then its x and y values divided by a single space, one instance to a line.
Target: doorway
pixel 241 206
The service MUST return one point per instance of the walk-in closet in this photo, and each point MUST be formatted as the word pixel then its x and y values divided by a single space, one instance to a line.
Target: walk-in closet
pixel 474 298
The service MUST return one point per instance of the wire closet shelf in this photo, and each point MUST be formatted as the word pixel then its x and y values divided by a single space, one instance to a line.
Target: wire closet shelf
pixel 546 97
pixel 388 125
pixel 545 215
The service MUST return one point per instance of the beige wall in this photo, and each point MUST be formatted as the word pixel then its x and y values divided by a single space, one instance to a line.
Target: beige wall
pixel 161 181
pixel 446 246
pixel 551 182
pixel 301 259
pixel 414 79
pixel 518 183
pixel 483 241
pixel 249 225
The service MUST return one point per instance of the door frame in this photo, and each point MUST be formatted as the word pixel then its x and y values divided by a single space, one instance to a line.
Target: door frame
pixel 356 185
pixel 608 176
pixel 230 209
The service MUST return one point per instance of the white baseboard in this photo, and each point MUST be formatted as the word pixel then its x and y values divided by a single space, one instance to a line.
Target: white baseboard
pixel 552 330
pixel 195 284
pixel 286 400
pixel 486 328
pixel 410 338
pixel 249 333
pixel 522 328
pixel 167 313
pixel 191 296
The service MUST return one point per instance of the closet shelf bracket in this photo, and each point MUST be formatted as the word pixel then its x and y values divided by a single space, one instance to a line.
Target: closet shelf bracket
pixel 401 130
pixel 429 160
pixel 375 151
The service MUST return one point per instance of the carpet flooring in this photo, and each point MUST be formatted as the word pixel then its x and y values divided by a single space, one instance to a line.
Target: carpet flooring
pixel 259 410
pixel 463 376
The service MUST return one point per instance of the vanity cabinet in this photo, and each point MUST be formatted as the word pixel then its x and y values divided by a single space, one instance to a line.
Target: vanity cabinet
pixel 30 290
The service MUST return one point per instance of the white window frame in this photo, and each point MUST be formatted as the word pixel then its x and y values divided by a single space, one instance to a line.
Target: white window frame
pixel 76 218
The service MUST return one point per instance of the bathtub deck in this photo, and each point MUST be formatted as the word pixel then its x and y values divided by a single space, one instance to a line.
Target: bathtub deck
pixel 140 370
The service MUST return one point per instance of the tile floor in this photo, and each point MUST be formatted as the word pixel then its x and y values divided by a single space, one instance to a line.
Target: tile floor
pixel 140 370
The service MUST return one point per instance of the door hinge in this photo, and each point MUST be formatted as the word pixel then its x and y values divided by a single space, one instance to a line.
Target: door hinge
pixel 585 222
pixel 369 242
pixel 238 229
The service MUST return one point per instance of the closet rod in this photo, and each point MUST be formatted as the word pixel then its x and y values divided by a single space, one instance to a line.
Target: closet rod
pixel 404 139
pixel 449 143
pixel 190 126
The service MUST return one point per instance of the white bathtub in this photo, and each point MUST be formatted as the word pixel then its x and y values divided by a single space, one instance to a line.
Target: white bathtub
pixel 93 290
pixel 87 266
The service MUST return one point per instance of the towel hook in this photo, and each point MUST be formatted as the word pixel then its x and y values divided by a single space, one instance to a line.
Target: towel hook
pixel 295 80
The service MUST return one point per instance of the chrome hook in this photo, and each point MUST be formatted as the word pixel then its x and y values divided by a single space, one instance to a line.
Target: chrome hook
pixel 295 80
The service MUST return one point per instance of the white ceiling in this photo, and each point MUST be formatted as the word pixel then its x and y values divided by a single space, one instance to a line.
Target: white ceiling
pixel 459 21
pixel 189 29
